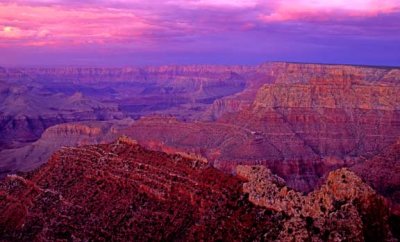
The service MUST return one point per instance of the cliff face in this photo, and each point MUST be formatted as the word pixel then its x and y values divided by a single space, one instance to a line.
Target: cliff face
pixel 342 209
pixel 314 115
pixel 126 74
pixel 31 156
pixel 121 191
pixel 331 119
pixel 295 73
pixel 334 110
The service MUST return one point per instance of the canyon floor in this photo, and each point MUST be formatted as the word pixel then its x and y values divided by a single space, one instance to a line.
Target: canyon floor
pixel 210 152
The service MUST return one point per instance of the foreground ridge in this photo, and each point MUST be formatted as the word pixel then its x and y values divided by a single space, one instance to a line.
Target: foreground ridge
pixel 122 191
pixel 342 209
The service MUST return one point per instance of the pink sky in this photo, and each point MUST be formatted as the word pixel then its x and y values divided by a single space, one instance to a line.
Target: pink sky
pixel 84 32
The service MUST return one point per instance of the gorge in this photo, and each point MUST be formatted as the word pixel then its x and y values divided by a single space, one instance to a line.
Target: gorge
pixel 197 134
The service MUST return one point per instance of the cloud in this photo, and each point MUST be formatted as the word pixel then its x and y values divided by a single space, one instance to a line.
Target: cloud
pixel 10 32
pixel 185 27
pixel 215 3
pixel 323 10
pixel 62 25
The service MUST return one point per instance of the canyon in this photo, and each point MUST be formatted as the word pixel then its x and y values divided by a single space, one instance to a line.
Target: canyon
pixel 34 99
pixel 301 126
pixel 300 120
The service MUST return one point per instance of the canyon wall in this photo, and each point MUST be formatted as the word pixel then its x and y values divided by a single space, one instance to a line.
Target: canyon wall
pixel 300 120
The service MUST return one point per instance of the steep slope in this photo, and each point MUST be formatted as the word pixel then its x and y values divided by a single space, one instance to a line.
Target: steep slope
pixel 314 115
pixel 333 110
pixel 300 120
pixel 121 191
pixel 289 73
pixel 382 172
pixel 31 156
pixel 342 209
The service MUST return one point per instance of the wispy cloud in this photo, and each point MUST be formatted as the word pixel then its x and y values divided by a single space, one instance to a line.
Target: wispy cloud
pixel 61 25
pixel 191 26
pixel 322 10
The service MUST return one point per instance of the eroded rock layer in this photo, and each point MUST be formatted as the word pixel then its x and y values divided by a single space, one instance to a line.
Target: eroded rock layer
pixel 122 191
pixel 342 209
pixel 300 120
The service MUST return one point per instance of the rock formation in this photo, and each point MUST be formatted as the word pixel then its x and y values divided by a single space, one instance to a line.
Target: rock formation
pixel 33 99
pixel 300 120
pixel 342 209
pixel 122 191
pixel 27 109
pixel 31 156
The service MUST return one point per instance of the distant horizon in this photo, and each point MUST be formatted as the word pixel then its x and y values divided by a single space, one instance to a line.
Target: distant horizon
pixel 202 64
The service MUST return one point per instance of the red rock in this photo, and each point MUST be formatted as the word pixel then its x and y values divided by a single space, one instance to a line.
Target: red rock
pixel 342 209
pixel 121 191
pixel 382 172
pixel 300 120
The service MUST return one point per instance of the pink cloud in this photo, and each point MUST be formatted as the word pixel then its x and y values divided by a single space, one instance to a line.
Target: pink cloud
pixel 101 30
pixel 216 3
pixel 30 25
pixel 60 22
pixel 8 32
pixel 284 10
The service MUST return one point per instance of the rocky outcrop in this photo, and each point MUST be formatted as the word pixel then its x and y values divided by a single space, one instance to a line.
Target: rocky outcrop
pixel 342 209
pixel 31 156
pixel 121 191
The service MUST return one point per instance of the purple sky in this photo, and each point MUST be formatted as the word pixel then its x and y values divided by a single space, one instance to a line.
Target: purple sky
pixel 155 32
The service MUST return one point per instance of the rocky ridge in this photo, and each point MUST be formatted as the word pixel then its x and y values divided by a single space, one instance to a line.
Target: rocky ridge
pixel 342 209
pixel 122 191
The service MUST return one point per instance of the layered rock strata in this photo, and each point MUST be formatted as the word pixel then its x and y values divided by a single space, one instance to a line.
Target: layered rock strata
pixel 122 191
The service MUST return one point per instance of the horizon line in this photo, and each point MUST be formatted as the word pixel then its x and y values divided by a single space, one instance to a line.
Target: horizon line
pixel 60 66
